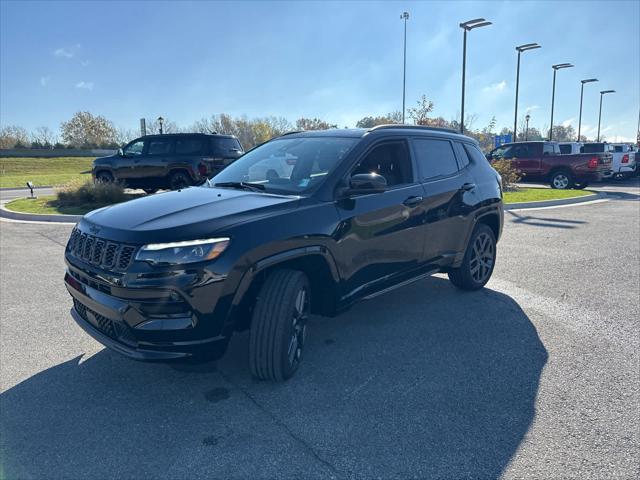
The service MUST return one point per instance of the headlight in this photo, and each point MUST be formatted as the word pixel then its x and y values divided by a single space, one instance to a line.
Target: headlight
pixel 183 252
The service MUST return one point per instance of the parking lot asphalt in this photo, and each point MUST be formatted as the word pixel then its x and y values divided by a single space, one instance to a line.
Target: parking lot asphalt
pixel 536 376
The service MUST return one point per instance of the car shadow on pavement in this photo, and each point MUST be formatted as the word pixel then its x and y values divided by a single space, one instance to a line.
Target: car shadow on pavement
pixel 426 381
pixel 543 221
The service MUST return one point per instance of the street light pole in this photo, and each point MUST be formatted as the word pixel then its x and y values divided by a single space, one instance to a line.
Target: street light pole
pixel 526 131
pixel 520 49
pixel 467 26
pixel 588 80
pixel 160 121
pixel 553 92
pixel 602 93
pixel 405 17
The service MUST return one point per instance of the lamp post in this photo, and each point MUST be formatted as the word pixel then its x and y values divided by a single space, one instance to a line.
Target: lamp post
pixel 520 49
pixel 467 26
pixel 526 131
pixel 602 93
pixel 588 80
pixel 160 121
pixel 553 92
pixel 405 17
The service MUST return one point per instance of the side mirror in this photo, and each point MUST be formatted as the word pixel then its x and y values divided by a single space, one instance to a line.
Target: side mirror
pixel 120 152
pixel 364 183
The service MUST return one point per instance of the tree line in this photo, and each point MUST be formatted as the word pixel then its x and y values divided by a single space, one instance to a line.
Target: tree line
pixel 85 130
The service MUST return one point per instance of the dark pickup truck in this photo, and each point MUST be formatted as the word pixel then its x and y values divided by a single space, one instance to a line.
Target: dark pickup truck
pixel 543 161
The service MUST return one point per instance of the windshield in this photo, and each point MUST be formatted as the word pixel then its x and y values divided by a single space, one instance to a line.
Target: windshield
pixel 287 165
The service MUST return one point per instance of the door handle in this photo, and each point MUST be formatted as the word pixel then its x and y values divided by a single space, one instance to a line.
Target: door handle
pixel 467 186
pixel 412 202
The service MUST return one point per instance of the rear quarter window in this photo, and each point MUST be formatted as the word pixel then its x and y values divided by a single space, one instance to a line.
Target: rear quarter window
pixel 474 153
pixel 225 146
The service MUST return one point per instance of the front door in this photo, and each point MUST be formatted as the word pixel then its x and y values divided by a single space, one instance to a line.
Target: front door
pixel 131 154
pixel 380 234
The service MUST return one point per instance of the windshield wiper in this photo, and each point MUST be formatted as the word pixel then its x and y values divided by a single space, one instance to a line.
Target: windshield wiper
pixel 256 187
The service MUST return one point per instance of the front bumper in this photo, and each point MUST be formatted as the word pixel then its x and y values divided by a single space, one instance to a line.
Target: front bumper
pixel 124 324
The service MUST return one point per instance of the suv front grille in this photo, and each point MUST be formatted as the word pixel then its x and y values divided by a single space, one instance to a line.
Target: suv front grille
pixel 100 252
pixel 115 330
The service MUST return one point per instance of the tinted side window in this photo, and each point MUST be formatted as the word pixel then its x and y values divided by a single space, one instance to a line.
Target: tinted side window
pixel 618 149
pixel 134 149
pixel 592 148
pixel 225 146
pixel 475 154
pixel 565 149
pixel 435 157
pixel 391 160
pixel 159 147
pixel 520 151
pixel 548 149
pixel 189 146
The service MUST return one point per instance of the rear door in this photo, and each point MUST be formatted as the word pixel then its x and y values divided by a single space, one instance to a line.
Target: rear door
pixel 447 184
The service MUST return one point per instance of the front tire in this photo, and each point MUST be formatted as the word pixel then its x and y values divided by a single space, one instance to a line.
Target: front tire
pixel 278 326
pixel 561 180
pixel 179 180
pixel 581 185
pixel 479 260
pixel 104 177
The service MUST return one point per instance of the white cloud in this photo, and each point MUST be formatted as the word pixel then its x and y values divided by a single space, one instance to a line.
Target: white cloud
pixel 496 87
pixel 63 52
pixel 44 80
pixel 532 108
pixel 85 85
pixel 568 122
pixel 84 63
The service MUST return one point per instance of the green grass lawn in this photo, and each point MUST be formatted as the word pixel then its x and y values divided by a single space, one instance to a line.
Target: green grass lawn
pixel 48 205
pixel 16 171
pixel 541 194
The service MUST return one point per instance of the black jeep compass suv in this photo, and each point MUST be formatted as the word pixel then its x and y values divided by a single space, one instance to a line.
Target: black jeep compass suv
pixel 309 222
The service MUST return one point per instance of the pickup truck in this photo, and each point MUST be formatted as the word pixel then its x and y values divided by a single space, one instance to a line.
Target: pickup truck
pixel 625 160
pixel 543 161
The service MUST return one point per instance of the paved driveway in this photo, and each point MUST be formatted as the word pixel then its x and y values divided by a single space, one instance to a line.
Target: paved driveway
pixel 537 376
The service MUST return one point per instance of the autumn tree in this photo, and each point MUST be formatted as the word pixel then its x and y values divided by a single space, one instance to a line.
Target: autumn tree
pixel 389 118
pixel 85 130
pixel 420 112
pixel 43 137
pixel 313 124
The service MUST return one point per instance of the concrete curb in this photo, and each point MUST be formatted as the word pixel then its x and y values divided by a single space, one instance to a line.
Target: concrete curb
pixel 16 189
pixel 38 217
pixel 553 203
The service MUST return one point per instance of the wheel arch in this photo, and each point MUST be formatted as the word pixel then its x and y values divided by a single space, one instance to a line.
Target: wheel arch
pixel 316 262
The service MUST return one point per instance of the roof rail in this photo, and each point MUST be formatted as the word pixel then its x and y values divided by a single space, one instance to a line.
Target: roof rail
pixel 412 127
pixel 291 132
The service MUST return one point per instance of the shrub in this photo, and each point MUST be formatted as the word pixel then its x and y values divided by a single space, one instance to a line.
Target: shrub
pixel 510 175
pixel 88 193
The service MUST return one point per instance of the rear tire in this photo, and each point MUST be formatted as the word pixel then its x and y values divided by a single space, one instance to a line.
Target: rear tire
pixel 278 326
pixel 561 180
pixel 479 260
pixel 179 180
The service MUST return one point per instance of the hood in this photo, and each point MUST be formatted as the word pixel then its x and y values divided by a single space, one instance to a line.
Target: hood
pixel 182 215
pixel 105 160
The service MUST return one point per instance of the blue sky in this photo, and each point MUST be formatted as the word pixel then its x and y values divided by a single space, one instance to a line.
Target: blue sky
pixel 336 60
